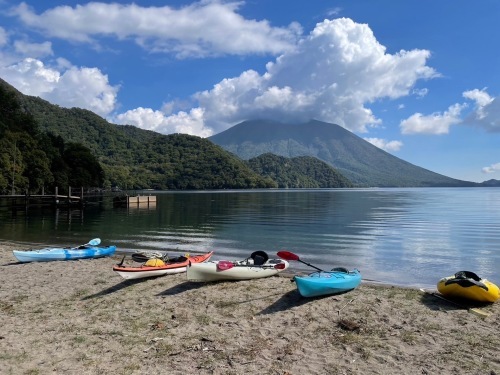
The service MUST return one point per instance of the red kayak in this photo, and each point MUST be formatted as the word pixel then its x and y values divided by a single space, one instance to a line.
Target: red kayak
pixel 159 267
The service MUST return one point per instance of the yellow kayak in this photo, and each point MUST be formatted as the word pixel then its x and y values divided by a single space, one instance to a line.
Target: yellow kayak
pixel 468 285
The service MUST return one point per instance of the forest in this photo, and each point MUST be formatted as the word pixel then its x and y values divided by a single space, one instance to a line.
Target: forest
pixel 31 159
pixel 44 146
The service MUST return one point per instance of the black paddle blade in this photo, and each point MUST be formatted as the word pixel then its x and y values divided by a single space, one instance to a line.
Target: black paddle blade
pixel 121 263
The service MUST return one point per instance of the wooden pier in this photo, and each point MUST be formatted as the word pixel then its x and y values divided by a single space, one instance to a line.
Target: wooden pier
pixel 43 199
pixel 138 200
pixel 78 201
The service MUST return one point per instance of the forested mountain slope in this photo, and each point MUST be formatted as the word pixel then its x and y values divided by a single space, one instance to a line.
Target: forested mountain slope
pixel 133 158
pixel 298 172
pixel 358 160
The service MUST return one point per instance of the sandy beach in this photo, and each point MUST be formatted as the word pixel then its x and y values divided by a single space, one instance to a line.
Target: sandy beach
pixel 79 317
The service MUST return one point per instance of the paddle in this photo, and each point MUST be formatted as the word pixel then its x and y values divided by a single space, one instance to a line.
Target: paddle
pixel 474 310
pixel 287 255
pixel 121 263
pixel 94 242
pixel 224 265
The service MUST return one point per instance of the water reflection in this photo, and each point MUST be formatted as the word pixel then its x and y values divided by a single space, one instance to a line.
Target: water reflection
pixel 402 236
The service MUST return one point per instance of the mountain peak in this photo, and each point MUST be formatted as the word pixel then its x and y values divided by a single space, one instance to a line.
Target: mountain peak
pixel 360 161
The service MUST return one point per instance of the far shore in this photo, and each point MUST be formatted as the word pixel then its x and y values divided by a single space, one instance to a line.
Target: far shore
pixel 79 317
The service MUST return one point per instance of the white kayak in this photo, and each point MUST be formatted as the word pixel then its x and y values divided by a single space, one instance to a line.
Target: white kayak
pixel 258 265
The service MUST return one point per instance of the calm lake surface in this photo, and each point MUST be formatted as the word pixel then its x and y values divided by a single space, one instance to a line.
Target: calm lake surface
pixel 410 237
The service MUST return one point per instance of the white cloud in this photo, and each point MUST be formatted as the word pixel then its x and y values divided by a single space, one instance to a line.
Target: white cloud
pixel 3 37
pixel 437 123
pixel 486 110
pixel 31 77
pixel 334 12
pixel 33 49
pixel 420 93
pixel 481 97
pixel 485 114
pixel 492 168
pixel 182 122
pixel 86 88
pixel 389 146
pixel 330 76
pixel 200 29
pixel 74 87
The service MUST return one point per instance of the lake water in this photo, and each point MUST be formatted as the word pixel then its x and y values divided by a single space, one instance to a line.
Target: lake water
pixel 410 237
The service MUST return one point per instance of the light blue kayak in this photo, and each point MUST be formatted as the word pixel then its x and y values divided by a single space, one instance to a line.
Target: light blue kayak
pixel 323 283
pixel 90 250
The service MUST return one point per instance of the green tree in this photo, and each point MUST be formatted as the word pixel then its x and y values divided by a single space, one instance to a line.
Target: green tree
pixel 85 169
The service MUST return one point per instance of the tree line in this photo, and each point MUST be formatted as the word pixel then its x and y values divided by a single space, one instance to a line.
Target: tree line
pixel 43 146
pixel 31 160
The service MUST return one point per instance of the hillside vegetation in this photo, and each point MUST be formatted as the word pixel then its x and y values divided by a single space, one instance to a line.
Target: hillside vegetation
pixel 298 172
pixel 130 158
pixel 133 158
pixel 62 147
pixel 358 160
pixel 31 160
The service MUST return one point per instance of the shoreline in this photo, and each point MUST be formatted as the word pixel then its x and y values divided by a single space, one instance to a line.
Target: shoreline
pixel 79 317
pixel 294 269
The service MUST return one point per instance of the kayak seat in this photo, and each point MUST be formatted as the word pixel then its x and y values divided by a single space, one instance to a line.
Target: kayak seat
pixel 259 257
pixel 340 269
pixel 467 275
pixel 178 259
pixel 466 279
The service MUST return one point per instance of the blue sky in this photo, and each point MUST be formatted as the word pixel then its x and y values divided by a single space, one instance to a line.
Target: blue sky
pixel 417 78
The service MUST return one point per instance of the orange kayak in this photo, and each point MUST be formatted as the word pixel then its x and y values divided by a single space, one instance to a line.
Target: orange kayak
pixel 158 267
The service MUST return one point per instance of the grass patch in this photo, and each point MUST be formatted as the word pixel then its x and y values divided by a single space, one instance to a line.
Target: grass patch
pixel 79 339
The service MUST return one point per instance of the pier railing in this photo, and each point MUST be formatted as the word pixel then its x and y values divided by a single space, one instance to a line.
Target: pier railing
pixel 56 199
pixel 78 198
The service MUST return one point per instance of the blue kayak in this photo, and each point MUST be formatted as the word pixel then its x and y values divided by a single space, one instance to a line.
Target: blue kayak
pixel 323 283
pixel 55 253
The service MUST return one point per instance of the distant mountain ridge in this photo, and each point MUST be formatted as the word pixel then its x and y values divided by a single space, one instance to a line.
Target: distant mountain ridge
pixel 137 158
pixel 361 162
pixel 491 183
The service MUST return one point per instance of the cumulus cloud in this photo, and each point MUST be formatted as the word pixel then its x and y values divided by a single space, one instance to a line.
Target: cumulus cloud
pixel 486 110
pixel 86 88
pixel 492 168
pixel 330 76
pixel 389 146
pixel 31 76
pixel 485 114
pixel 182 122
pixel 200 29
pixel 436 123
pixel 73 87
pixel 333 74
